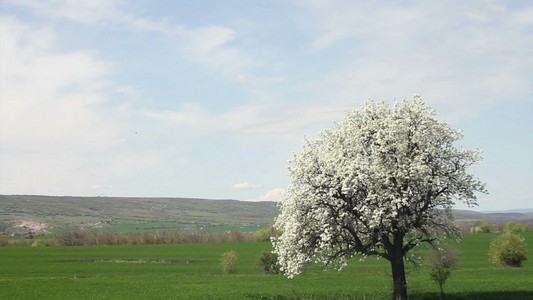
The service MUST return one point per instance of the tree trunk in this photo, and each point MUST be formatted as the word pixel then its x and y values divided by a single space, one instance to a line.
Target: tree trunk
pixel 395 255
pixel 398 278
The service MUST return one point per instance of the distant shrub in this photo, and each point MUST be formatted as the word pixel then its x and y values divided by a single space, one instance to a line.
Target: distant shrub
pixel 40 241
pixel 80 237
pixel 480 227
pixel 106 238
pixel 74 237
pixel 265 234
pixel 228 262
pixel 442 260
pixel 20 242
pixel 508 249
pixel 269 263
pixel 514 227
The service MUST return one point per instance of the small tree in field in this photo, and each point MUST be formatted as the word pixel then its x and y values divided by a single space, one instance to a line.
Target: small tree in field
pixel 379 183
pixel 442 260
pixel 74 237
pixel 269 263
pixel 228 262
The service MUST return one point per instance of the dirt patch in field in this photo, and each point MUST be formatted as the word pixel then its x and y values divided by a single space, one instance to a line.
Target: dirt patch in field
pixel 32 225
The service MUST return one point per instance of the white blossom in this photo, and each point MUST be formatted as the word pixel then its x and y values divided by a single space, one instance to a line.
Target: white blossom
pixel 383 172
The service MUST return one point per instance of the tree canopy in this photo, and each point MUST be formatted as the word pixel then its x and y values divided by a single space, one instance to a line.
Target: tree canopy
pixel 379 183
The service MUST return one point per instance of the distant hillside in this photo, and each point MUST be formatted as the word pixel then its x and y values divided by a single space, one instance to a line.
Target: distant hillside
pixel 492 216
pixel 48 214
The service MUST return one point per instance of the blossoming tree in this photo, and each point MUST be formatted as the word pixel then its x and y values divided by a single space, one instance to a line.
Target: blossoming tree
pixel 380 183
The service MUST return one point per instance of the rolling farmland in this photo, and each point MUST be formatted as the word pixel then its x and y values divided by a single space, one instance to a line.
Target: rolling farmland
pixel 192 271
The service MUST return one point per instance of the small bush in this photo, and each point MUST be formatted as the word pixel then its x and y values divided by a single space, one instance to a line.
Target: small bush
pixel 480 227
pixel 40 242
pixel 73 238
pixel 508 249
pixel 269 263
pixel 442 260
pixel 228 262
pixel 265 234
pixel 514 227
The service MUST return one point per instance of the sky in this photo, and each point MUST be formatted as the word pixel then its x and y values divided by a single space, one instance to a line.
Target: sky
pixel 210 99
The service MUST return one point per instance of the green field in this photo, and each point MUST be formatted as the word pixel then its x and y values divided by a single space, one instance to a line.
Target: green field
pixel 191 271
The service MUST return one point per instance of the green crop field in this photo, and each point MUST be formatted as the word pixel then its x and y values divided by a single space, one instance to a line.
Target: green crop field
pixel 191 271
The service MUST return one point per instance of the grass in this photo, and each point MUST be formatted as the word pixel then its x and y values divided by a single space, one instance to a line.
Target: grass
pixel 192 271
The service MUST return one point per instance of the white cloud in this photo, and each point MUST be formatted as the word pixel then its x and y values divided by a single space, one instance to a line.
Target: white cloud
pixel 251 119
pixel 189 115
pixel 525 16
pixel 90 12
pixel 205 45
pixel 245 186
pixel 459 56
pixel 210 46
pixel 56 131
pixel 273 195
pixel 339 20
pixel 241 78
pixel 102 187
pixel 280 120
pixel 60 134
pixel 48 95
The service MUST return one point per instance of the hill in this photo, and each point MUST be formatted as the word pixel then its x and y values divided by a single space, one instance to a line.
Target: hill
pixel 25 213
pixel 495 216
pixel 47 213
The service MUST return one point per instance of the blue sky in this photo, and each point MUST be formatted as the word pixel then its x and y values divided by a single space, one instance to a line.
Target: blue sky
pixel 209 99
